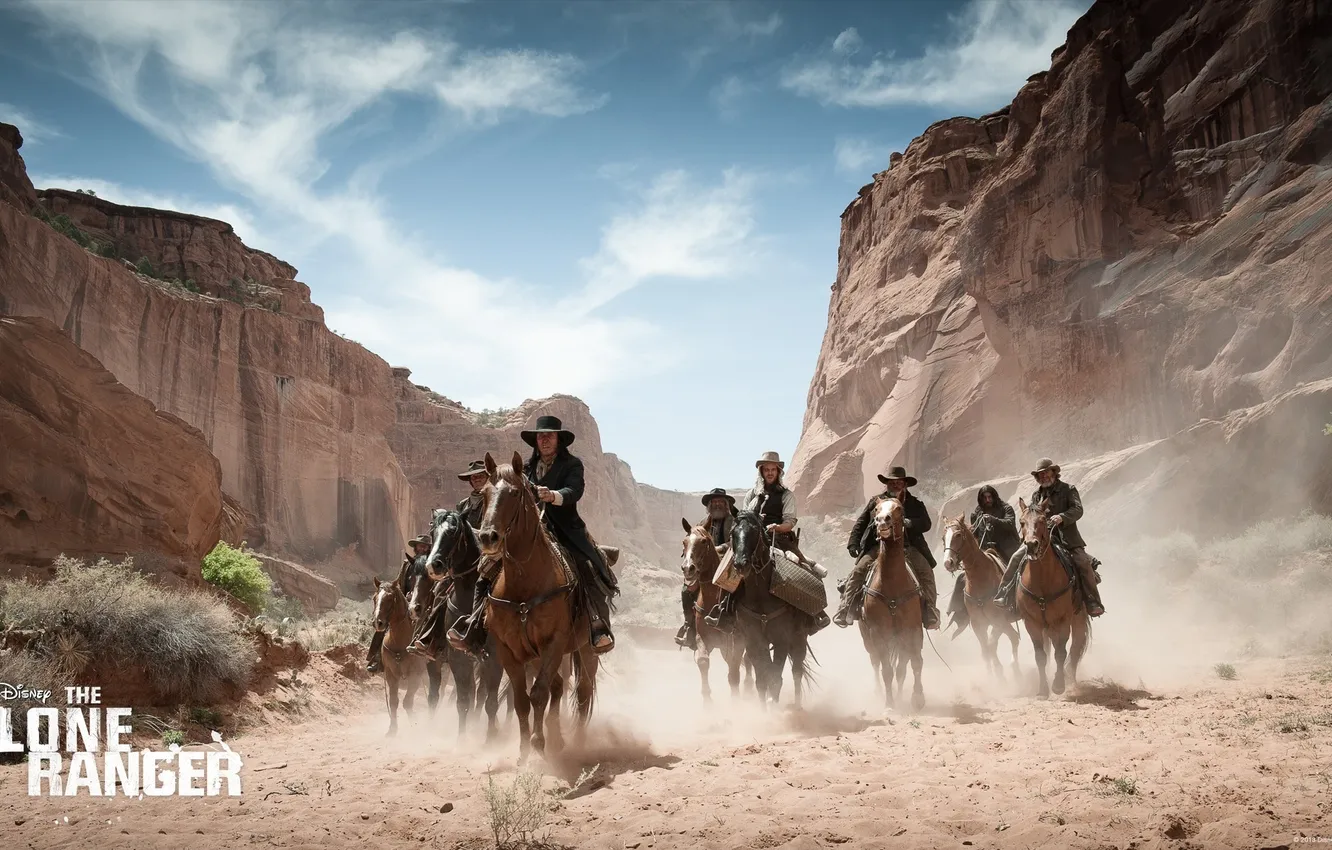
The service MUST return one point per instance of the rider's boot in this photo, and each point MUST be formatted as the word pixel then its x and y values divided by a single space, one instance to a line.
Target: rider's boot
pixel 424 644
pixel 374 660
pixel 853 590
pixel 602 638
pixel 469 633
pixel 1091 593
pixel 687 637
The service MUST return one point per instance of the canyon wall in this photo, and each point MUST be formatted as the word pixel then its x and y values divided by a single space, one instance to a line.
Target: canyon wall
pixel 1130 247
pixel 89 469
pixel 295 414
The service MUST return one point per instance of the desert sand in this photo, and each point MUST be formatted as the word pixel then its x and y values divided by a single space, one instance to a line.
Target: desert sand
pixel 1153 750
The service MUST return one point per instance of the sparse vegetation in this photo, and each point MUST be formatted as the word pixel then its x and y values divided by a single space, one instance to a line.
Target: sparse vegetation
pixel 238 572
pixel 173 736
pixel 89 192
pixel 495 418
pixel 348 623
pixel 519 810
pixel 1225 671
pixel 206 717
pixel 110 616
pixel 62 224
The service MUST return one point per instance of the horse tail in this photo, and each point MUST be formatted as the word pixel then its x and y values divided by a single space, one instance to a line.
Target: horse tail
pixel 581 675
pixel 1080 651
pixel 805 666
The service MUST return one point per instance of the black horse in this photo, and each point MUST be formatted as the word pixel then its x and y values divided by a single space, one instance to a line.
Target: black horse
pixel 452 563
pixel 415 576
pixel 773 630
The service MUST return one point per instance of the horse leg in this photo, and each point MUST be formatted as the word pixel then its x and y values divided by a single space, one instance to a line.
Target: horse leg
pixel 391 697
pixel 1037 635
pixel 460 664
pixel 978 629
pixel 780 650
pixel 585 689
pixel 703 660
pixel 1061 655
pixel 1081 623
pixel 799 652
pixel 1014 638
pixel 733 654
pixel 540 694
pixel 917 643
pixel 521 702
pixel 492 676
pixel 554 730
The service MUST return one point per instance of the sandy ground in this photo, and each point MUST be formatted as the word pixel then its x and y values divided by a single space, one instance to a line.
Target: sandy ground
pixel 1171 756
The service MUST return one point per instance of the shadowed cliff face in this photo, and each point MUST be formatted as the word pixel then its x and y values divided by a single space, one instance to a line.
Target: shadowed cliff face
pixel 295 414
pixel 1124 250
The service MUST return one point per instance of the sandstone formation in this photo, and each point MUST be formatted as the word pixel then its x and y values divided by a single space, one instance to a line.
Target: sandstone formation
pixel 315 593
pixel 1122 252
pixel 435 439
pixel 1185 482
pixel 89 469
pixel 296 415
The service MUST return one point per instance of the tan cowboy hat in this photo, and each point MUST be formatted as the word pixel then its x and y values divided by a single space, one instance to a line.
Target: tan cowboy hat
pixel 547 425
pixel 898 473
pixel 473 468
pixel 1044 464
pixel 770 457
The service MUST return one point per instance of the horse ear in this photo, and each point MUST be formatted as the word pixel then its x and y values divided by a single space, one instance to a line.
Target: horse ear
pixel 490 466
pixel 689 529
pixel 517 462
pixel 1022 504
pixel 376 582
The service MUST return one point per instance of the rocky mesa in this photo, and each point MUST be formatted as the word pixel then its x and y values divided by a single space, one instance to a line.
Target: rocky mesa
pixel 1125 250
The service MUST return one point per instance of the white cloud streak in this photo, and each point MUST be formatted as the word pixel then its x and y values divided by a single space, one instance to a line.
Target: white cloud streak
pixel 252 91
pixel 860 157
pixel 999 44
pixel 34 131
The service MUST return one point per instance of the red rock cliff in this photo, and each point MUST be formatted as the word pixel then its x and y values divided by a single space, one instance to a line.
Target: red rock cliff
pixel 296 415
pixel 1129 247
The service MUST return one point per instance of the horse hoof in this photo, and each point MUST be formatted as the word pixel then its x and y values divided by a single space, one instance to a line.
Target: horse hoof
pixel 1058 686
pixel 917 701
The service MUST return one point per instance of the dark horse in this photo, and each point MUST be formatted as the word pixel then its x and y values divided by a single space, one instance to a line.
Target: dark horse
pixel 454 558
pixel 772 629
pixel 416 584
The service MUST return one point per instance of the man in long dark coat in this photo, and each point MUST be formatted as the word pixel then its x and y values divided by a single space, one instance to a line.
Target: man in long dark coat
pixel 863 545
pixel 994 524
pixel 720 519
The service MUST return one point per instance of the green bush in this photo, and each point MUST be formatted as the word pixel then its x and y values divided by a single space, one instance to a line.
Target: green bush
pixel 238 572
pixel 145 267
pixel 111 616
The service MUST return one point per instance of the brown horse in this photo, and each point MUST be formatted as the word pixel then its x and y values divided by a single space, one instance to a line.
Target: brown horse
pixel 984 570
pixel 700 562
pixel 391 616
pixel 894 630
pixel 1050 605
pixel 533 610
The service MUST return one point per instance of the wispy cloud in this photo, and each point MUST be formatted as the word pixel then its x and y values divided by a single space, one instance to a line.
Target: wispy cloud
pixel 254 90
pixel 727 27
pixel 729 93
pixel 859 157
pixel 34 131
pixel 999 44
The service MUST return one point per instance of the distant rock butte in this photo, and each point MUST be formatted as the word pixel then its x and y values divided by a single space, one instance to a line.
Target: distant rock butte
pixel 89 469
pixel 1123 251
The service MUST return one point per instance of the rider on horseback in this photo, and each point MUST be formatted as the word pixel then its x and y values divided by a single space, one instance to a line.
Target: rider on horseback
pixel 721 516
pixel 994 524
pixel 1064 506
pixel 863 545
pixel 473 504
pixel 557 477
pixel 420 550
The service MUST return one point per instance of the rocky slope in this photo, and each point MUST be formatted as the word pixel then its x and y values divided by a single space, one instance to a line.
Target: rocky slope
pixel 89 469
pixel 1128 248
pixel 435 438
pixel 295 414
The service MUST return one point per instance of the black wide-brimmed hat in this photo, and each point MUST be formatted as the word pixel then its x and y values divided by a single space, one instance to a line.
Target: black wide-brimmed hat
pixel 474 468
pixel 1044 464
pixel 547 425
pixel 717 493
pixel 424 538
pixel 898 473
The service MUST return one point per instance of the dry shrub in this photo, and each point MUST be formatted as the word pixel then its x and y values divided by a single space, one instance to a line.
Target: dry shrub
pixel 518 812
pixel 107 616
pixel 348 623
pixel 33 673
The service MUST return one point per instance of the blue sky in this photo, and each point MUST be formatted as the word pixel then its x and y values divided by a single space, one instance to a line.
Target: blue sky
pixel 633 202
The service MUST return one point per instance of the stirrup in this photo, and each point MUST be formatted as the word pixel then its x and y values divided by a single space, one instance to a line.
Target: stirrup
pixel 604 634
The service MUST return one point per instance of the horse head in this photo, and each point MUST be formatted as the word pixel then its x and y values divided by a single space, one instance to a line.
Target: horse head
pixel 888 519
pixel 508 499
pixel 952 535
pixel 698 555
pixel 748 543
pixel 387 596
pixel 1035 527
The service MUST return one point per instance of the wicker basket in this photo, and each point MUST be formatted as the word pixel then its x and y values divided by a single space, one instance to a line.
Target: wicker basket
pixel 796 585
pixel 727 578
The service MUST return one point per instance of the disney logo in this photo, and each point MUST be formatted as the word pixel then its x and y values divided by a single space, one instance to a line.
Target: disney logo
pixel 8 691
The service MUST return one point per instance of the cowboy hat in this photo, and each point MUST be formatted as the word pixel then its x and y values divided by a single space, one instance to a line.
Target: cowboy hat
pixel 717 493
pixel 770 457
pixel 547 425
pixel 423 539
pixel 1044 464
pixel 476 467
pixel 898 473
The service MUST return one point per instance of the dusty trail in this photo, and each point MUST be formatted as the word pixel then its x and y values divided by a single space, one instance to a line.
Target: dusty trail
pixel 1179 759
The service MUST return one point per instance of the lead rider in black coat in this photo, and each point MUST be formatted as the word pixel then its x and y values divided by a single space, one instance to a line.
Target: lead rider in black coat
pixel 557 477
